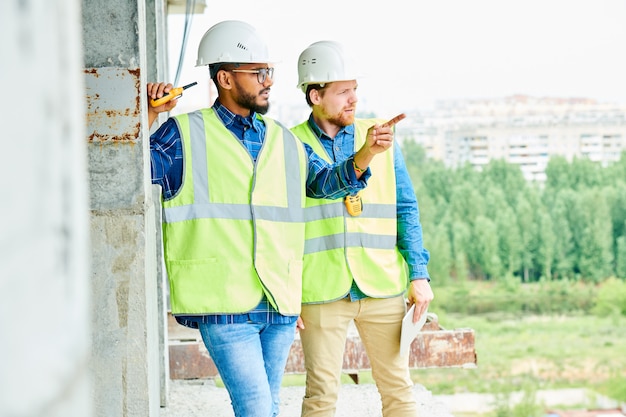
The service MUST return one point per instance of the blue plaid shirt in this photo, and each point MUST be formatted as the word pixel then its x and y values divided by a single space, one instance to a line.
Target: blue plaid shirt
pixel 323 181
pixel 409 229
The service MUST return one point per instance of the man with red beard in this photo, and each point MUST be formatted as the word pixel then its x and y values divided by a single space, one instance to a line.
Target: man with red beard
pixel 362 255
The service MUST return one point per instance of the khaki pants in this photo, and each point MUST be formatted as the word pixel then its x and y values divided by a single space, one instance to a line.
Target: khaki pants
pixel 378 321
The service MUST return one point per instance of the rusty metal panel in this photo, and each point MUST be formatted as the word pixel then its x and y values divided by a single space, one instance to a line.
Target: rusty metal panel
pixel 354 356
pixel 295 360
pixel 190 360
pixel 434 347
pixel 443 349
pixel 113 104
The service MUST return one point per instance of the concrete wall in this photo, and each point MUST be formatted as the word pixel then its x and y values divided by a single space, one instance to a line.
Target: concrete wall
pixel 45 313
pixel 83 314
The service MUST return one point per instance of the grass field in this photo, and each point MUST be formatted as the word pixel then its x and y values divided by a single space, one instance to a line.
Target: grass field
pixel 537 352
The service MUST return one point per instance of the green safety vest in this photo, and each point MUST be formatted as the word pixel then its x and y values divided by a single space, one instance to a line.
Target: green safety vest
pixel 340 248
pixel 235 230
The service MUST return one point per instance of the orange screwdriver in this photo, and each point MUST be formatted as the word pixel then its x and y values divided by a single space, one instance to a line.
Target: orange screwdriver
pixel 174 93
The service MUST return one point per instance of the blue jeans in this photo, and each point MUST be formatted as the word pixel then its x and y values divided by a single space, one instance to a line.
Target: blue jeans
pixel 250 358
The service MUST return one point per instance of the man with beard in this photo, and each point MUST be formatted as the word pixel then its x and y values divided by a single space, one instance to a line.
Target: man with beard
pixel 360 260
pixel 234 187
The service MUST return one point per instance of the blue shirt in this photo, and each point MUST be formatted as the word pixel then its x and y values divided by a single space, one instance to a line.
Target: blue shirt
pixel 323 181
pixel 409 229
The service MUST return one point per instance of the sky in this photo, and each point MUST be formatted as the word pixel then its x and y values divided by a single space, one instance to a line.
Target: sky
pixel 414 53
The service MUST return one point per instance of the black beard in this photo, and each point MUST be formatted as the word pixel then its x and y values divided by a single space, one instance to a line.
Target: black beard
pixel 248 101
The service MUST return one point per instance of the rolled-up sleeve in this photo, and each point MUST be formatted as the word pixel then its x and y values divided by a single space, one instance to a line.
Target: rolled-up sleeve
pixel 332 180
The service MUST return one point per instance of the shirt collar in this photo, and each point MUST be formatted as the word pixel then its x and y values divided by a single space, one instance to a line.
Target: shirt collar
pixel 229 118
pixel 347 130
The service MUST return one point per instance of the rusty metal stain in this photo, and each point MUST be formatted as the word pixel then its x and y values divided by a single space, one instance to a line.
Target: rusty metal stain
pixel 113 104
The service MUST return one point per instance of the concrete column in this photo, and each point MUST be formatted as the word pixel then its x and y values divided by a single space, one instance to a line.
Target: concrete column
pixel 45 313
pixel 123 236
pixel 157 70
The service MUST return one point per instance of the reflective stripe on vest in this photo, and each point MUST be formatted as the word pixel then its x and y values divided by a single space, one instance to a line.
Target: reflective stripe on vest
pixel 235 229
pixel 340 248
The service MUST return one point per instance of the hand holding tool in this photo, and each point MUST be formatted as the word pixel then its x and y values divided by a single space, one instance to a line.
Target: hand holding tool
pixel 173 93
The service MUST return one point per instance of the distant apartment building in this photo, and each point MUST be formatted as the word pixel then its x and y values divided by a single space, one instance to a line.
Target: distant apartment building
pixel 521 130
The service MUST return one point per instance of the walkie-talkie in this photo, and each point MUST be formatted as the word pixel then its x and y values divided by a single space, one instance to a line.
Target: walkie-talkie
pixel 173 93
pixel 354 204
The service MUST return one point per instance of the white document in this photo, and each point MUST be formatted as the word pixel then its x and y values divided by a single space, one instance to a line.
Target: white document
pixel 410 329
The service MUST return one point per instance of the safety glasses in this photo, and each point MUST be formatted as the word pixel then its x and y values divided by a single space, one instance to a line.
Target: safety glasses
pixel 262 74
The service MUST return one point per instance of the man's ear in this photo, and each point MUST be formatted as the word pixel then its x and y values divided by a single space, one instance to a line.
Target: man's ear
pixel 224 79
pixel 314 96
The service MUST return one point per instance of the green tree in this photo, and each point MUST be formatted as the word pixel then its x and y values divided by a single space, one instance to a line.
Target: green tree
pixel 594 238
pixel 466 203
pixel 483 255
pixel 546 243
pixel 438 181
pixel 564 250
pixel 510 245
pixel 441 261
pixel 414 154
pixel 586 173
pixel 493 222
pixel 461 240
pixel 616 199
pixel 620 264
pixel 557 175
pixel 525 211
pixel 507 177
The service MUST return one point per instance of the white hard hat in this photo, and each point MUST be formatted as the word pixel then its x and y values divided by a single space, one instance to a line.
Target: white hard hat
pixel 324 62
pixel 232 41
